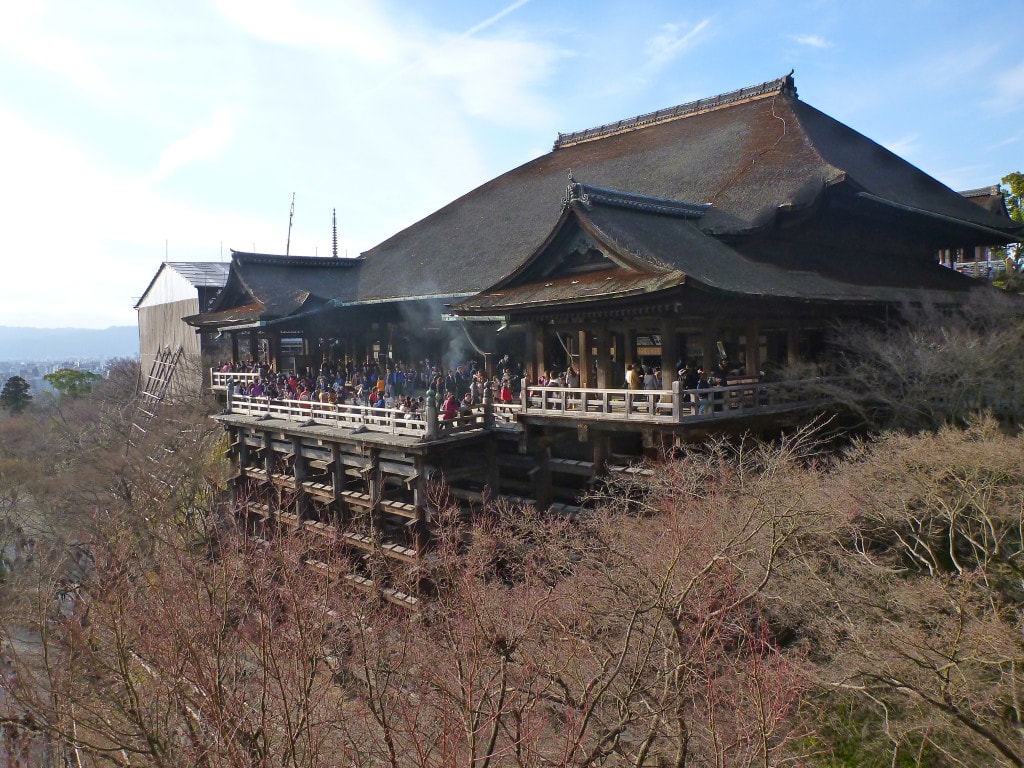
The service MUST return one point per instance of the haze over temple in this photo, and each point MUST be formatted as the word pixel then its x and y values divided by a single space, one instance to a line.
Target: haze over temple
pixel 730 232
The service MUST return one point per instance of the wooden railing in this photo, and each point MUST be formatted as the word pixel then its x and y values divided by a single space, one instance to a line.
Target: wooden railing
pixel 221 380
pixel 663 406
pixel 391 421
pixel 657 405
pixel 987 269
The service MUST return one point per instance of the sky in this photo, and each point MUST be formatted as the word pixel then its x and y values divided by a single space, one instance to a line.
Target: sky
pixel 140 132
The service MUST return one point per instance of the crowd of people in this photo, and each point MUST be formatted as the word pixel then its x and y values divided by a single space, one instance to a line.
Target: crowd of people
pixel 399 385
pixel 403 386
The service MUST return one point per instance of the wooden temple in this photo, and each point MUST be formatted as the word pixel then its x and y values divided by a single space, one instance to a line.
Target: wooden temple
pixel 737 228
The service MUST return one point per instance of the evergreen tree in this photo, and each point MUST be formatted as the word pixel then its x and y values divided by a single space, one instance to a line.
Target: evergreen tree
pixel 72 383
pixel 15 396
pixel 1013 194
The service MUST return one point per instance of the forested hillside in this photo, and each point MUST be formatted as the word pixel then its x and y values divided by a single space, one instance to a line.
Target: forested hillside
pixel 809 601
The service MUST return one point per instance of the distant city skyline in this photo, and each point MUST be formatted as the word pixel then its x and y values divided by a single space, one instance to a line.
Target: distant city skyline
pixel 136 133
pixel 62 344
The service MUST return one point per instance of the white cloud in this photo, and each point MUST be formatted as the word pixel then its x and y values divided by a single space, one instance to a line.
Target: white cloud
pixel 494 79
pixel 905 146
pixel 814 41
pixel 671 42
pixel 28 34
pixel 1009 85
pixel 94 235
pixel 358 30
pixel 495 18
pixel 204 142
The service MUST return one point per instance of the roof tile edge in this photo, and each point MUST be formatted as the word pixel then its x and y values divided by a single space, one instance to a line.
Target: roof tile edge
pixel 991 190
pixel 770 87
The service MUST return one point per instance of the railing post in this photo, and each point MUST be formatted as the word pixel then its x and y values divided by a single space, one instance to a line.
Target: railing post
pixel 430 414
pixel 677 400
pixel 488 405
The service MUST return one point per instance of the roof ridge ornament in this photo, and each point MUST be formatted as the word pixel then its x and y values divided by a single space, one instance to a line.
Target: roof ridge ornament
pixel 589 195
pixel 575 193
pixel 784 84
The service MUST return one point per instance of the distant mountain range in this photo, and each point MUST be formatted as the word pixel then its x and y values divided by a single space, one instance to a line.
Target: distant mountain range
pixel 39 344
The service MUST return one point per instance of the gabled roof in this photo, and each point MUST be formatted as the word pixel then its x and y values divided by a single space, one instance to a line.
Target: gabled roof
pixel 652 248
pixel 200 274
pixel 990 198
pixel 265 287
pixel 752 155
pixel 751 163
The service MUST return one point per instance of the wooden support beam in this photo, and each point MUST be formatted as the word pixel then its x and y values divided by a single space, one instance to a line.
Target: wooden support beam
pixel 586 362
pixel 602 338
pixel 669 351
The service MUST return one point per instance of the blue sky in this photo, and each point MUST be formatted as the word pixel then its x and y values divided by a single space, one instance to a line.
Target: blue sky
pixel 139 131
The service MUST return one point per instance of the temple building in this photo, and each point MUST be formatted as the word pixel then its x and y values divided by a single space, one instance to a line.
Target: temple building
pixel 730 232
pixel 747 221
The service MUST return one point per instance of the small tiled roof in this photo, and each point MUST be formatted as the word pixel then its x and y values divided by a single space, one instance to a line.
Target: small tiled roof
pixel 990 198
pixel 265 287
pixel 200 274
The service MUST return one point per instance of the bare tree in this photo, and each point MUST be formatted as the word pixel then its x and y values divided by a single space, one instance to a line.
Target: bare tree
pixel 916 601
pixel 930 366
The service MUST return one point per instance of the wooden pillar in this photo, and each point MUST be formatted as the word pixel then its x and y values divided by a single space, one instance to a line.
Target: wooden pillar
pixel 241 455
pixel 373 476
pixel 493 473
pixel 586 360
pixel 254 345
pixel 753 348
pixel 240 458
pixel 420 501
pixel 669 352
pixel 708 347
pixel 299 472
pixel 542 478
pixel 793 342
pixel 602 451
pixel 268 454
pixel 536 351
pixel 604 357
pixel 629 349
pixel 274 351
pixel 374 489
pixel 234 347
pixel 338 475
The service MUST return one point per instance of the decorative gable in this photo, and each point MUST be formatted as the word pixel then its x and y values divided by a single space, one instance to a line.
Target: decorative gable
pixel 572 252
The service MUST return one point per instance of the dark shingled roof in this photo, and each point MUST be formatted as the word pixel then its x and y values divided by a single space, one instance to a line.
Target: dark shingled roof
pixel 660 252
pixel 749 157
pixel 990 198
pixel 747 163
pixel 265 287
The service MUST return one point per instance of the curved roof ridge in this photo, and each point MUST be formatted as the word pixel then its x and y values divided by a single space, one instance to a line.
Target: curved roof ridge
pixel 589 194
pixel 276 259
pixel 768 88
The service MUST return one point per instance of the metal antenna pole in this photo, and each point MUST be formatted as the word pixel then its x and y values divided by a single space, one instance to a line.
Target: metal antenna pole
pixel 291 215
